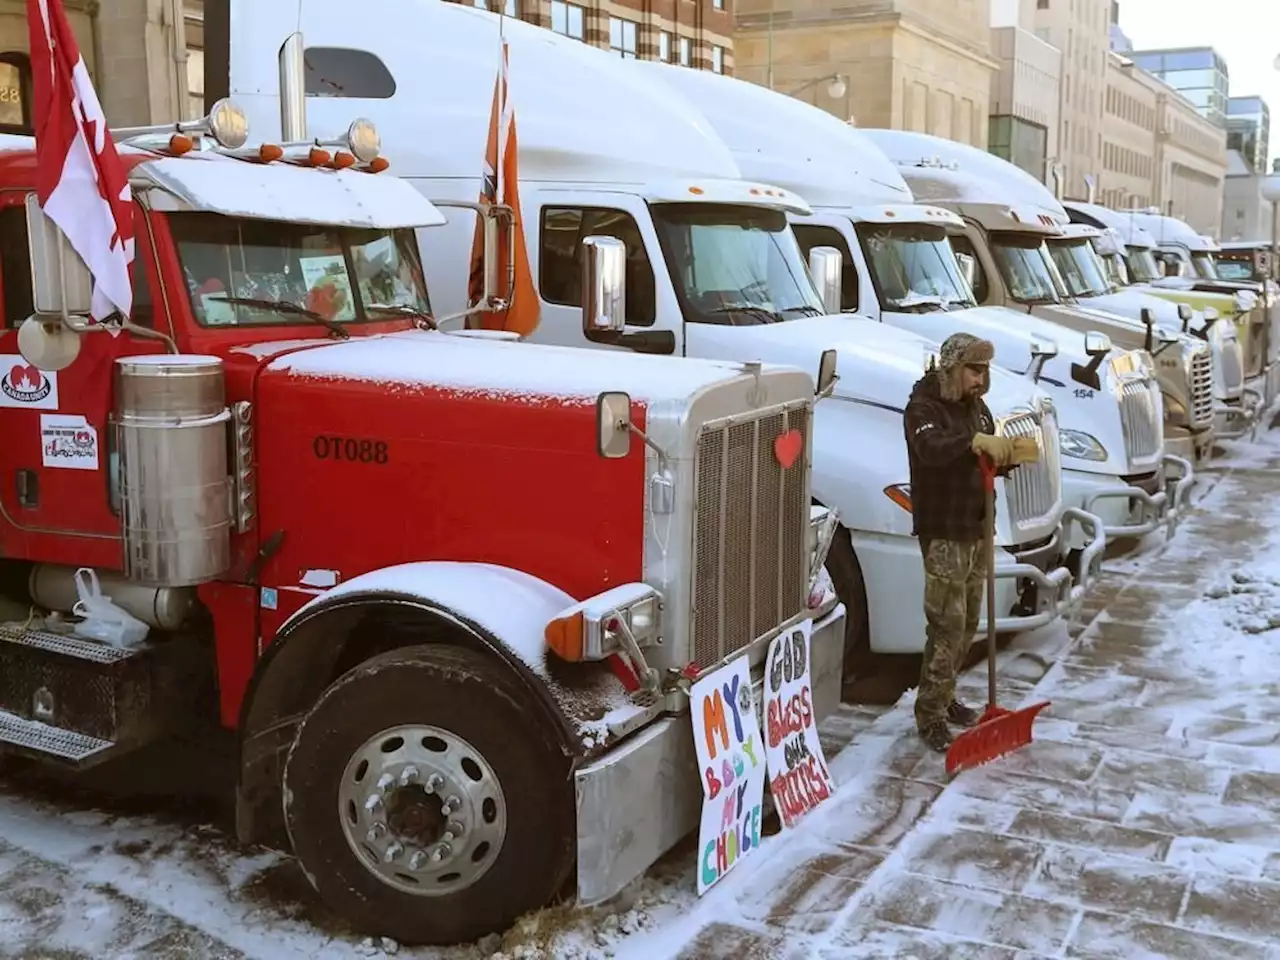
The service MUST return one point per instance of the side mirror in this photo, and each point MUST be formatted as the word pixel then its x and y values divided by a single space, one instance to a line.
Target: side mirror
pixel 826 264
pixel 1184 314
pixel 604 281
pixel 1042 351
pixel 613 425
pixel 968 268
pixel 827 376
pixel 61 284
pixel 1097 344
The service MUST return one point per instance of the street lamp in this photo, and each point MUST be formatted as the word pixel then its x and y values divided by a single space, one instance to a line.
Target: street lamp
pixel 835 88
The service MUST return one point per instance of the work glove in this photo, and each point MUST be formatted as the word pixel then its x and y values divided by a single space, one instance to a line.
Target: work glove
pixel 1025 450
pixel 999 449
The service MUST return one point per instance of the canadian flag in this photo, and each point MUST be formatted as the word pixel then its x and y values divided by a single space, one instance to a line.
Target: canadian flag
pixel 80 182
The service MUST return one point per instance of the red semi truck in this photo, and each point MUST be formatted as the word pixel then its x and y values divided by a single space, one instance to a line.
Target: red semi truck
pixel 447 589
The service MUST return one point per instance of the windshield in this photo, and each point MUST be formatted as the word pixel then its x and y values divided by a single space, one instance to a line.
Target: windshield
pixel 1078 265
pixel 1235 269
pixel 734 265
pixel 1142 265
pixel 1027 271
pixel 914 267
pixel 1206 269
pixel 344 275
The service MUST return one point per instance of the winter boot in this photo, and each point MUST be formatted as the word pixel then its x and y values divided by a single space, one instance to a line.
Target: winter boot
pixel 962 715
pixel 937 736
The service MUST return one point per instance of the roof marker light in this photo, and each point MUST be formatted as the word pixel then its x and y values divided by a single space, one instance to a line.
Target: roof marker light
pixel 317 157
pixel 342 160
pixel 378 164
pixel 696 191
pixel 179 144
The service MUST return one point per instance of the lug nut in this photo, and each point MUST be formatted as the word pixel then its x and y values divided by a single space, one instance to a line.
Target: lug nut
pixel 408 775
pixel 434 782
pixel 440 851
pixel 394 849
pixel 373 803
pixel 455 828
pixel 376 832
pixel 385 781
pixel 450 805
pixel 417 860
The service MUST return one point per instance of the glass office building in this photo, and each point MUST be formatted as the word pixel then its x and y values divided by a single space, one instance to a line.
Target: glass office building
pixel 1249 131
pixel 1198 73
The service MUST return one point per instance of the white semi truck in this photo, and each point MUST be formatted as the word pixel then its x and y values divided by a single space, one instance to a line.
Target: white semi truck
pixel 713 269
pixel 1005 237
pixel 899 268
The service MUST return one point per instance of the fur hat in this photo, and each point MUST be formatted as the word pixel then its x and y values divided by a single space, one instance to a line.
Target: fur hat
pixel 958 351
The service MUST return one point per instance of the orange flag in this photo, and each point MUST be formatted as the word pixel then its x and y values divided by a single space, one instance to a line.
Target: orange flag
pixel 501 185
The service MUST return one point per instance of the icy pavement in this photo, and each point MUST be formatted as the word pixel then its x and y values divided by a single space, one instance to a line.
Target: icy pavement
pixel 1144 822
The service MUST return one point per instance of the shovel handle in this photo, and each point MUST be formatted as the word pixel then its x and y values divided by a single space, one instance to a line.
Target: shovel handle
pixel 989 487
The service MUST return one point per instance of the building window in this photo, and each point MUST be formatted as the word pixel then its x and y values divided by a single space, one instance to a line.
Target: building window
pixel 664 46
pixel 1042 4
pixel 686 52
pixel 343 72
pixel 195 83
pixel 15 93
pixel 567 18
pixel 622 37
pixel 717 59
pixel 718 4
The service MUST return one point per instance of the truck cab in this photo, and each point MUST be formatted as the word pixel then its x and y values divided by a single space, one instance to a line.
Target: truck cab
pixel 898 268
pixel 1129 253
pixel 713 270
pixel 1006 236
pixel 443 593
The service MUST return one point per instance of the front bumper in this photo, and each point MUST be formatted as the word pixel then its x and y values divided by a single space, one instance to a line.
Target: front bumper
pixel 1144 512
pixel 1049 594
pixel 644 796
pixel 1232 420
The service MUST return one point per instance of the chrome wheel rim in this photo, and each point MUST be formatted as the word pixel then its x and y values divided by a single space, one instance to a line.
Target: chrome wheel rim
pixel 422 809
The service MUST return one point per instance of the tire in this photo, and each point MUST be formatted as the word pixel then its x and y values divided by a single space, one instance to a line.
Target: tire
pixel 846 577
pixel 456 715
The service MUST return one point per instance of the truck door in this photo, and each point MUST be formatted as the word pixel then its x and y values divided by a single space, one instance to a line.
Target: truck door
pixel 55 443
pixel 554 234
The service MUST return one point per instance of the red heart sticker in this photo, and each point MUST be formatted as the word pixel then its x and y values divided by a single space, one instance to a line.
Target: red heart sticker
pixel 24 378
pixel 787 447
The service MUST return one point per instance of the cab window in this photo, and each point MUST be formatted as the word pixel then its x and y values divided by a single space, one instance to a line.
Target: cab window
pixel 560 258
pixel 963 245
pixel 811 236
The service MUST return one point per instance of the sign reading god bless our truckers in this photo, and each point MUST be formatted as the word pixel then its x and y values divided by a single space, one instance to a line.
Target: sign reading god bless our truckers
pixel 731 762
pixel 798 775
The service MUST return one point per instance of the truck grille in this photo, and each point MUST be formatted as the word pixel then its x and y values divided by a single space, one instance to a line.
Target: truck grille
pixel 1232 366
pixel 1200 387
pixel 1034 490
pixel 1140 420
pixel 751 524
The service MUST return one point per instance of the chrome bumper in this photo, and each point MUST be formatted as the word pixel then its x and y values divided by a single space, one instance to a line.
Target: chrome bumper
pixel 644 796
pixel 1153 509
pixel 1232 423
pixel 1057 595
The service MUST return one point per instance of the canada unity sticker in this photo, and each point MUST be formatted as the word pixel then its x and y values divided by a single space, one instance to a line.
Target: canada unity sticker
pixel 25 386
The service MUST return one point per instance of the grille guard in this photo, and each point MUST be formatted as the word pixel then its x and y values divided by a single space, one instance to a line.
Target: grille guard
pixel 1165 507
pixel 1057 595
pixel 1236 422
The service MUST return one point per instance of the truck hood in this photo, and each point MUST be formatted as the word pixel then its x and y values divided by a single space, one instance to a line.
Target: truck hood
pixel 877 363
pixel 422 360
pixel 1012 332
pixel 1130 303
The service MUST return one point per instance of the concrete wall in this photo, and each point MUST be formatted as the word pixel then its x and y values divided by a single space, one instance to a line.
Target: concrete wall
pixel 1245 214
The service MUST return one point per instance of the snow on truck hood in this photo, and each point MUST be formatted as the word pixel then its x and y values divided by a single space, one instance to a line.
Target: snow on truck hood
pixel 420 359
pixel 1012 332
pixel 876 362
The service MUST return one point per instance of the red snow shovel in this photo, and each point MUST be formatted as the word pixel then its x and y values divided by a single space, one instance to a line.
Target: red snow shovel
pixel 999 731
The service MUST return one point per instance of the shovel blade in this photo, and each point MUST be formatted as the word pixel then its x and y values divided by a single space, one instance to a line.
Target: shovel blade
pixel 999 732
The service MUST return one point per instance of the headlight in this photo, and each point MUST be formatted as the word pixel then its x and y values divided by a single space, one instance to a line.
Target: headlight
pixel 1081 446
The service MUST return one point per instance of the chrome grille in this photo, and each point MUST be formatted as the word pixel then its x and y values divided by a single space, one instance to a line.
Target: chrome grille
pixel 1200 387
pixel 1232 366
pixel 750 541
pixel 1140 420
pixel 1034 490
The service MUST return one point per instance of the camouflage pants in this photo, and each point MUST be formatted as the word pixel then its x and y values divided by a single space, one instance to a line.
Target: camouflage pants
pixel 955 576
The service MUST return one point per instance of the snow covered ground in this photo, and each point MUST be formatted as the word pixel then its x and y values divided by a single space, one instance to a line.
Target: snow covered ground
pixel 1144 822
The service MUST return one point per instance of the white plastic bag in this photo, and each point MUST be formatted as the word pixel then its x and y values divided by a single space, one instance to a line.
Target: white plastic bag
pixel 102 619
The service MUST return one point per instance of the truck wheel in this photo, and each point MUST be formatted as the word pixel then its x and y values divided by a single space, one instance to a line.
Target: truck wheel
pixel 846 577
pixel 422 802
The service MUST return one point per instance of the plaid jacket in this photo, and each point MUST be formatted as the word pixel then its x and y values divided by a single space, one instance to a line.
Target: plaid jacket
pixel 947 499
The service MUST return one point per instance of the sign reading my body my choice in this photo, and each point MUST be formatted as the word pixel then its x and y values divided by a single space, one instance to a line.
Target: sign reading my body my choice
pixel 731 762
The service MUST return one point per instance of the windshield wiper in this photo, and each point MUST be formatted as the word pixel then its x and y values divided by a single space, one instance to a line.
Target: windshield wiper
pixel 918 302
pixel 752 308
pixel 403 310
pixel 804 309
pixel 289 307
